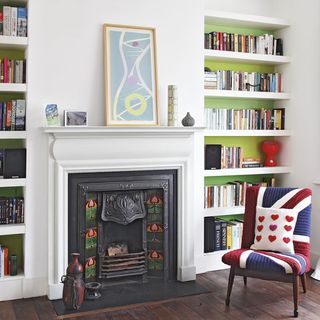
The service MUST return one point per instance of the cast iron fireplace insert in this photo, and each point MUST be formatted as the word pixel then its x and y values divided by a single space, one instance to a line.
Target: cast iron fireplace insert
pixel 134 212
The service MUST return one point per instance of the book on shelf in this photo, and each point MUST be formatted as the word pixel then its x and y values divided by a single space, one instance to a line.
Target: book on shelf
pixel 12 115
pixel 262 44
pixel 11 210
pixel 220 234
pixel 14 21
pixel 12 71
pixel 244 119
pixel 245 81
pixel 231 194
pixel 22 22
pixel 4 261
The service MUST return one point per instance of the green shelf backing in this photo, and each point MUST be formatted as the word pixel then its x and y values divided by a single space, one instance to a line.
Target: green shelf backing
pixel 237 30
pixel 236 66
pixel 4 97
pixel 223 180
pixel 251 145
pixel 11 192
pixel 11 143
pixel 238 104
pixel 15 246
pixel 12 54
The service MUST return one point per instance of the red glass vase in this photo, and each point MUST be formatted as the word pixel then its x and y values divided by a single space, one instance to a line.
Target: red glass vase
pixel 270 149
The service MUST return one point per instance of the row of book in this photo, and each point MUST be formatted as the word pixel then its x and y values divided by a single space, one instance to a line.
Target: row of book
pixel 13 21
pixel 220 234
pixel 232 194
pixel 13 115
pixel 243 81
pixel 12 71
pixel 11 210
pixel 244 119
pixel 4 261
pixel 223 157
pixel 263 44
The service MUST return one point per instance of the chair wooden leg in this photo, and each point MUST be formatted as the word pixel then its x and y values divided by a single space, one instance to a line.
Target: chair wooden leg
pixel 230 284
pixel 303 278
pixel 245 280
pixel 295 294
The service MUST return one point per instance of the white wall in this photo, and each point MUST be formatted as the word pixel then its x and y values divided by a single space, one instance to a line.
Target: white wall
pixel 301 43
pixel 65 66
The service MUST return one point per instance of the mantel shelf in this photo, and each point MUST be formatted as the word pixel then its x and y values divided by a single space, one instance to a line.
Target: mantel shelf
pixel 102 132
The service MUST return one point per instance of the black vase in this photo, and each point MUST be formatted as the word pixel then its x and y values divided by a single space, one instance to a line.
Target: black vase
pixel 187 121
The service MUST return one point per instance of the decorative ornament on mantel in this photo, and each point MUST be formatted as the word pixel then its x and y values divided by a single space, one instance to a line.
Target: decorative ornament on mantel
pixel 172 105
pixel 188 121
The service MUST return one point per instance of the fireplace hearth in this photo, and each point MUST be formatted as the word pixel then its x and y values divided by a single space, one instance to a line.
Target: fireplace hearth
pixel 124 224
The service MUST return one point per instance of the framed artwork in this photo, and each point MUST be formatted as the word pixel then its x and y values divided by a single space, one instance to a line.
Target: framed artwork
pixel 75 118
pixel 130 76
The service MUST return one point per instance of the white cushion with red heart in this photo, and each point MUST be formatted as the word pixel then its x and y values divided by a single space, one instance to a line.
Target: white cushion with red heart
pixel 274 229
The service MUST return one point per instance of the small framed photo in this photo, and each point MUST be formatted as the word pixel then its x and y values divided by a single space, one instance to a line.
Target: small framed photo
pixel 75 118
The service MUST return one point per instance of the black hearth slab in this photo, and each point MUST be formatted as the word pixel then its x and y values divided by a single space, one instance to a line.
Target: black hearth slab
pixel 121 295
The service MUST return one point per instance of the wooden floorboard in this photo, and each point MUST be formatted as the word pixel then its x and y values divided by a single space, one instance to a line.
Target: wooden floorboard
pixel 262 300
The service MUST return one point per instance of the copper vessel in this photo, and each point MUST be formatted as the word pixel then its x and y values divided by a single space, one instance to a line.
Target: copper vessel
pixel 73 284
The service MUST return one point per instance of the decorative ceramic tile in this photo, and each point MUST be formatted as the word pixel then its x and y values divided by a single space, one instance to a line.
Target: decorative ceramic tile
pixel 90 268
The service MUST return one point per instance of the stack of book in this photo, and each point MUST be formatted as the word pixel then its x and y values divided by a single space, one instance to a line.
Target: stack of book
pixel 244 81
pixel 210 80
pixel 13 115
pixel 13 21
pixel 262 44
pixel 220 234
pixel 251 163
pixel 244 119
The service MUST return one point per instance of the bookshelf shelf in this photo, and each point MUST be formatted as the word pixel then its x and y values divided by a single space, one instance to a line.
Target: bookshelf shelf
pixel 219 55
pixel 223 211
pixel 10 229
pixel 246 95
pixel 13 42
pixel 19 276
pixel 13 87
pixel 247 133
pixel 13 134
pixel 12 183
pixel 245 171
pixel 244 20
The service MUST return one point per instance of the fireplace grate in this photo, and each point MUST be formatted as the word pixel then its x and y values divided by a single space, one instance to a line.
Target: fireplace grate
pixel 129 264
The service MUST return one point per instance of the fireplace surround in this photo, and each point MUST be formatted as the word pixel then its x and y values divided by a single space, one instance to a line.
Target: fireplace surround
pixel 82 150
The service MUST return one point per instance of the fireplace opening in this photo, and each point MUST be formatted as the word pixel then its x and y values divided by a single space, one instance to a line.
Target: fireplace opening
pixel 124 224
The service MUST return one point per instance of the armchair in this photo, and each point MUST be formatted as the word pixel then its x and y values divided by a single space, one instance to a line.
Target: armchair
pixel 276 238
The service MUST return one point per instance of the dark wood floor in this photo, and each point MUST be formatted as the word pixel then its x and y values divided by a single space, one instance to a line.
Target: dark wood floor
pixel 259 300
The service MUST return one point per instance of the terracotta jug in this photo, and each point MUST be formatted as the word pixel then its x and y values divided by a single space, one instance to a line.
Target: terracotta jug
pixel 73 284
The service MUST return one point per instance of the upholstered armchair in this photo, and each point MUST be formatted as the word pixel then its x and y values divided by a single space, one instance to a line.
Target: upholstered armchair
pixel 276 238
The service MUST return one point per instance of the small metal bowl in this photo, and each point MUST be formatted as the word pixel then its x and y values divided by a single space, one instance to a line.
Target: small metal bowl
pixel 92 290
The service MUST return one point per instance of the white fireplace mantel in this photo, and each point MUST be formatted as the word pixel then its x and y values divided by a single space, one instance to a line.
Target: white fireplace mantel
pixel 105 149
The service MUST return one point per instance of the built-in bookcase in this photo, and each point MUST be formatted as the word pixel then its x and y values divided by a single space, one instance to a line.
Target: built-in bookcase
pixel 249 140
pixel 15 48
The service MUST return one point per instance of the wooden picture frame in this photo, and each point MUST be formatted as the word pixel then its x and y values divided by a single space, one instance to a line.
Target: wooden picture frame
pixel 130 76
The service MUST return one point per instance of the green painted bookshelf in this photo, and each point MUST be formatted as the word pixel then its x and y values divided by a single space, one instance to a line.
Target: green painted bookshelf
pixel 249 140
pixel 13 235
